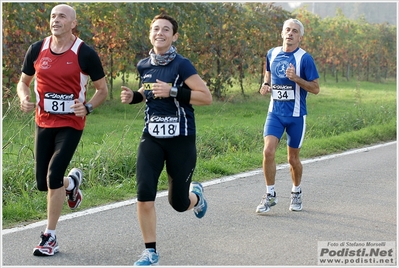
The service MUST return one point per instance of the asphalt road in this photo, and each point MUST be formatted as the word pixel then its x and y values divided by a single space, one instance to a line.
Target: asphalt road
pixel 347 197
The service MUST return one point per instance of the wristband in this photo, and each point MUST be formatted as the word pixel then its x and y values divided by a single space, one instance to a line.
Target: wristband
pixel 266 84
pixel 183 95
pixel 137 97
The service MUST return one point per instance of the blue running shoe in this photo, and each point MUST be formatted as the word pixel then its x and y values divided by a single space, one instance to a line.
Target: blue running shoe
pixel 148 258
pixel 200 208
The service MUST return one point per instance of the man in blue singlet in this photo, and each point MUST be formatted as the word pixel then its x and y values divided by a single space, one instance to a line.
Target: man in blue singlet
pixel 170 86
pixel 290 74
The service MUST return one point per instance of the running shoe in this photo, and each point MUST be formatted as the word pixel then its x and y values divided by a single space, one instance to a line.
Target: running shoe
pixel 47 247
pixel 75 195
pixel 148 258
pixel 296 201
pixel 267 201
pixel 201 207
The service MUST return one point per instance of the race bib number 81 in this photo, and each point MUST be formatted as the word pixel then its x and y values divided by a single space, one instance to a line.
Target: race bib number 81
pixel 164 126
pixel 55 103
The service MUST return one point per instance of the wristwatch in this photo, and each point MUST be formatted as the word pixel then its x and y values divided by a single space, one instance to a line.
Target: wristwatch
pixel 173 92
pixel 89 108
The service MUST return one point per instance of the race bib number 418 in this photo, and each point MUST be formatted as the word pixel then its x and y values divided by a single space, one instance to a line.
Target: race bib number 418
pixel 164 126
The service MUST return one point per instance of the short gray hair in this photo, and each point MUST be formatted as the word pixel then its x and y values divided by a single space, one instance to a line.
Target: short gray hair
pixel 301 28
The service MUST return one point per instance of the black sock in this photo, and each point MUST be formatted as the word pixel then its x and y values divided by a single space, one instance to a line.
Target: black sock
pixel 151 245
pixel 197 200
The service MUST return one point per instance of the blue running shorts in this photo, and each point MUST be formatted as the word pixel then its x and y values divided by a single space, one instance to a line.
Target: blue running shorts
pixel 294 126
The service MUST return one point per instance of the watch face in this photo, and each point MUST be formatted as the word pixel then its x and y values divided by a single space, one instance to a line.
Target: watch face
pixel 173 92
pixel 89 108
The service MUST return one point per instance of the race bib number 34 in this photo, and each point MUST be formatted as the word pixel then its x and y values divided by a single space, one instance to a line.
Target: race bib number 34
pixel 282 93
pixel 164 126
pixel 55 103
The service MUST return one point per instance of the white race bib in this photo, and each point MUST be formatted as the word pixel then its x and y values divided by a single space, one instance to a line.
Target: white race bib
pixel 282 93
pixel 164 126
pixel 55 103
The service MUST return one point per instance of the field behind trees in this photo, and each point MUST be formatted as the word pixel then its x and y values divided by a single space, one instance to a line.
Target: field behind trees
pixel 344 115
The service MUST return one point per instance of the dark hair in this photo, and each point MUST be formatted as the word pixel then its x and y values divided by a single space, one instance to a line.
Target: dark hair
pixel 165 16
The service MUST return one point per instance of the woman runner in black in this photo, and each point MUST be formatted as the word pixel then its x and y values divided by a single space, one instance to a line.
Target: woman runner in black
pixel 170 86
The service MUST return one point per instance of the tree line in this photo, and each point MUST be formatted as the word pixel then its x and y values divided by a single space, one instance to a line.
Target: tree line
pixel 227 42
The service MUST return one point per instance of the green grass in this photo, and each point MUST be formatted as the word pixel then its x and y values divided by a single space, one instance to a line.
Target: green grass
pixel 229 141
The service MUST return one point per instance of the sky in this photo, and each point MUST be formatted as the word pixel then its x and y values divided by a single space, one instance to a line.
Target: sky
pixel 294 4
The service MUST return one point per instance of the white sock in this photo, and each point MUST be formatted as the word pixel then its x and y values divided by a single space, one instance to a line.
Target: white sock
pixel 296 189
pixel 71 184
pixel 51 232
pixel 270 189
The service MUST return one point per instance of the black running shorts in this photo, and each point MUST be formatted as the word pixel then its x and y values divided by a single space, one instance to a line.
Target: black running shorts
pixel 180 156
pixel 54 149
